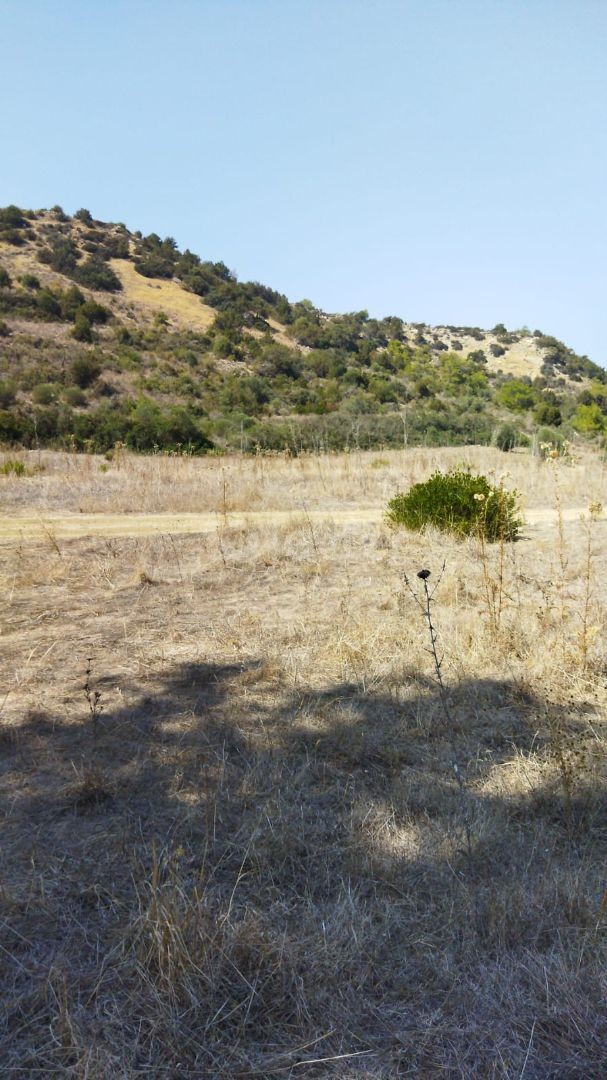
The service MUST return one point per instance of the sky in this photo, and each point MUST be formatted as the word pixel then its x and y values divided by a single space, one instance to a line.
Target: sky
pixel 441 160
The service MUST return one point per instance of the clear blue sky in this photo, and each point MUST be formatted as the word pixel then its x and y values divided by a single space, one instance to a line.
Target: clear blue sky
pixel 442 160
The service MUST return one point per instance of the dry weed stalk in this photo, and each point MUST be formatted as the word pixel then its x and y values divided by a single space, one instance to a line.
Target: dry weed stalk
pixel 93 698
pixel 425 607
pixel 562 554
pixel 494 581
pixel 587 632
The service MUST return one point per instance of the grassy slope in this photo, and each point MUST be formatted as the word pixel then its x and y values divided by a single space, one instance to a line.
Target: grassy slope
pixel 143 297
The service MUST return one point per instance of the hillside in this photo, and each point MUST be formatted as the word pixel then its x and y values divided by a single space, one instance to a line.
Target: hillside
pixel 108 336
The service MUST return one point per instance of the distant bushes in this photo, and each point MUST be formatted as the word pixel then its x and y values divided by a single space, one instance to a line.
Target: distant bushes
pixel 141 425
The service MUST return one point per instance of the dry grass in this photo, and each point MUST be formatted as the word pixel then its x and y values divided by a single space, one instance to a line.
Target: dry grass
pixel 86 484
pixel 252 862
pixel 146 297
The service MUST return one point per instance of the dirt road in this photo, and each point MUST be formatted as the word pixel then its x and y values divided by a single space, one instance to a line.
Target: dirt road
pixel 70 526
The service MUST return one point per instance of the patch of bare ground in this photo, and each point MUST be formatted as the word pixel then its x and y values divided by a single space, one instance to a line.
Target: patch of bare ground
pixel 233 840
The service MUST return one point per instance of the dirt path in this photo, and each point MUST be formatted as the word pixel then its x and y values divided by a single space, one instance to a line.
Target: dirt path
pixel 71 526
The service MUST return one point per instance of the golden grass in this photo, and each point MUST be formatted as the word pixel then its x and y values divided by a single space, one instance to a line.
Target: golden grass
pixel 253 862
pixel 19 261
pixel 149 296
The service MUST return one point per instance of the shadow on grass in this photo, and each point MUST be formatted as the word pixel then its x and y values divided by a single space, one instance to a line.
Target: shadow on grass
pixel 224 869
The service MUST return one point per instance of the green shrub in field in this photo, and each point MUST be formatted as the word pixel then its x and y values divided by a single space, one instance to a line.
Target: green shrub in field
pixel 458 502
pixel 12 467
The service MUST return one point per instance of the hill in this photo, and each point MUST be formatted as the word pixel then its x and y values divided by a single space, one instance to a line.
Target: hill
pixel 110 336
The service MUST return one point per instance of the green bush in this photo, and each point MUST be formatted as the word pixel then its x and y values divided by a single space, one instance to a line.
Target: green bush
pixel 547 413
pixel 458 502
pixel 96 274
pixel 74 396
pixel 82 328
pixel 516 395
pixel 44 393
pixel 7 393
pixel 62 255
pixel 5 278
pixel 48 304
pixel 84 371
pixel 30 281
pixel 506 437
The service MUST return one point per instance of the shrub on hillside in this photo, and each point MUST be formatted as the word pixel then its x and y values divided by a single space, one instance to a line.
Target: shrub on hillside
pixel 30 281
pixel 516 395
pixel 62 255
pixel 82 328
pixel 44 394
pixel 547 413
pixel 460 503
pixel 74 396
pixel 94 312
pixel 84 371
pixel 48 303
pixel 12 225
pixel 11 217
pixel 7 393
pixel 71 301
pixel 5 278
pixel 96 274
pixel 589 419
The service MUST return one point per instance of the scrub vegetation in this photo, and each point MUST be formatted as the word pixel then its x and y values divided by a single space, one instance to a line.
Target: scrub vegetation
pixel 108 336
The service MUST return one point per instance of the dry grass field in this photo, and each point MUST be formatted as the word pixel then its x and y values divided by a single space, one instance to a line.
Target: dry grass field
pixel 234 844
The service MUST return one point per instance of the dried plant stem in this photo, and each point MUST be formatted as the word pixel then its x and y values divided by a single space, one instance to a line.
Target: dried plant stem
pixel 561 555
pixel 425 607
pixel 493 583
pixel 589 554
pixel 93 698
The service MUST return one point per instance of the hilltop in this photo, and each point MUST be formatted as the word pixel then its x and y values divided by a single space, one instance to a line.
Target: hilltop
pixel 110 336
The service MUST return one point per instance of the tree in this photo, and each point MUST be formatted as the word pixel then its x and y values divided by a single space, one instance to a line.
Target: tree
pixel 516 395
pixel 588 419
pixel 549 414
